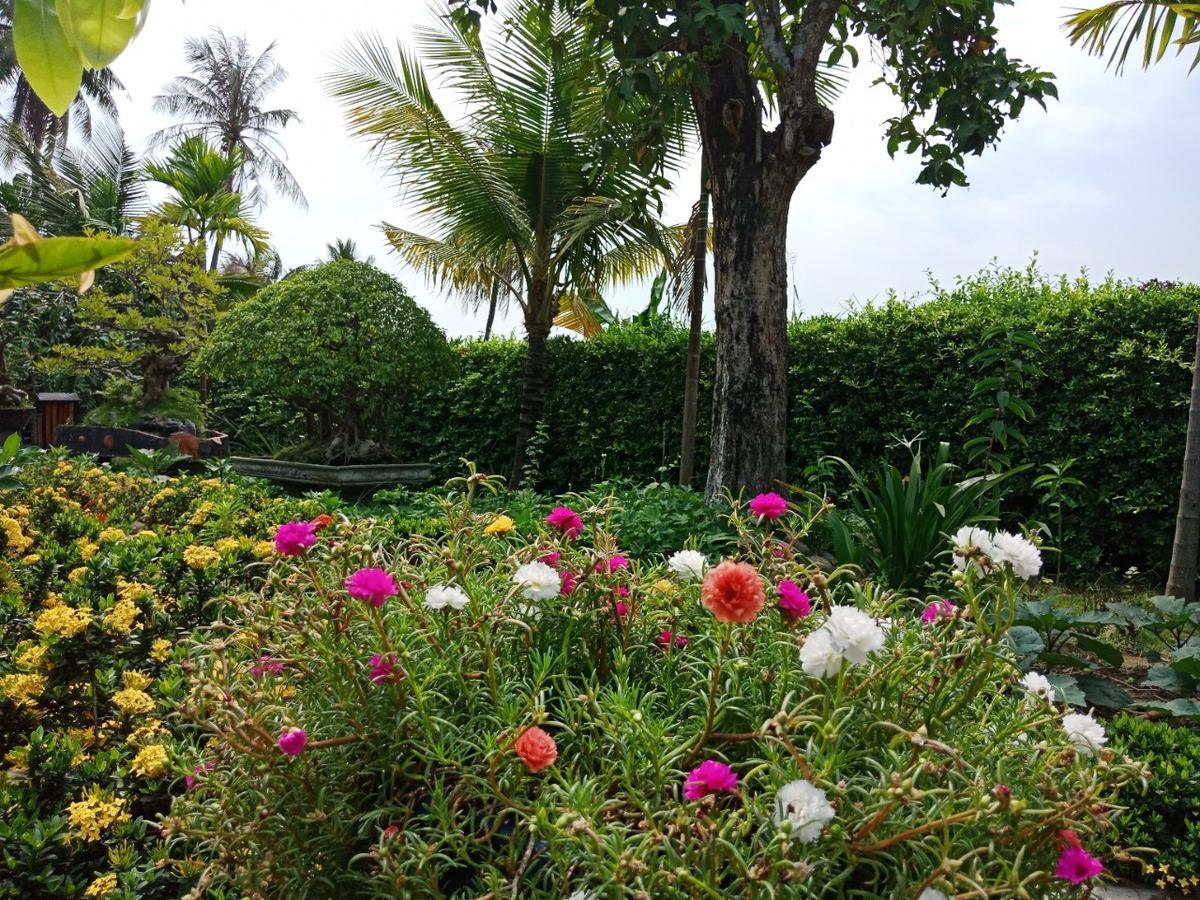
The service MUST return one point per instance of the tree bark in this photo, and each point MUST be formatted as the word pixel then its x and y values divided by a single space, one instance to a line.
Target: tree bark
pixel 1181 579
pixel 533 388
pixel 691 380
pixel 491 316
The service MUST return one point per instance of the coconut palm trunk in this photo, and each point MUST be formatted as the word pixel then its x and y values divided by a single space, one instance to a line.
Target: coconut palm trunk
pixel 698 229
pixel 1181 579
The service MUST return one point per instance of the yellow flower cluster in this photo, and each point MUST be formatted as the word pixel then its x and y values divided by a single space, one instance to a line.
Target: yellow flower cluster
pixel 32 559
pixel 160 649
pixel 499 525
pixel 15 539
pixel 121 617
pixel 77 575
pixel 110 535
pixel 133 702
pixel 62 620
pixel 228 545
pixel 198 557
pixel 133 591
pixel 203 511
pixel 263 549
pixel 86 549
pixel 32 658
pixel 135 680
pixel 96 811
pixel 23 689
pixel 144 734
pixel 102 886
pixel 151 761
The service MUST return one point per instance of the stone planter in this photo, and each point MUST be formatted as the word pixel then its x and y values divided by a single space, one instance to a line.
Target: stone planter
pixel 360 479
pixel 14 419
pixel 108 442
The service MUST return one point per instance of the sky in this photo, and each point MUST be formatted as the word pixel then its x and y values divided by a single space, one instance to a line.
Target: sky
pixel 1101 181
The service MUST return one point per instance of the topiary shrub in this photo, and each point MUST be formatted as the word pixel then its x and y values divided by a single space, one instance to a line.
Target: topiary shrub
pixel 342 343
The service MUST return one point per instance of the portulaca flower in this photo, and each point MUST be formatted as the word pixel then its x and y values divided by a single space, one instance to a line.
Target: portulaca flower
pixel 688 564
pixel 853 633
pixel 1039 685
pixel 932 894
pixel 1085 733
pixel 972 547
pixel 806 807
pixel 442 595
pixel 818 657
pixel 1023 555
pixel 538 581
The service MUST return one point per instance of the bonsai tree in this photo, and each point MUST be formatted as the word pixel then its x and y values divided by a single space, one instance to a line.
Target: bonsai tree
pixel 146 317
pixel 338 342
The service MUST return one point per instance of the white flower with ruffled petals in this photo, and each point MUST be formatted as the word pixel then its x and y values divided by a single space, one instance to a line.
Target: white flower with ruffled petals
pixel 538 581
pixel 688 564
pixel 853 633
pixel 805 806
pixel 1085 734
pixel 1021 554
pixel 818 657
pixel 972 548
pixel 1038 685
pixel 442 595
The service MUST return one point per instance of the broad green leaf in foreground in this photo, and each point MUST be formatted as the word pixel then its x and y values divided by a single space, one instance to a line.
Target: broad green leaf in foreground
pixel 50 63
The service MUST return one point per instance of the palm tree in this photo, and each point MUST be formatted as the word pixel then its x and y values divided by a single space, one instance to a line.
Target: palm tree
pixel 202 203
pixel 1158 25
pixel 344 248
pixel 31 115
pixel 533 173
pixel 222 101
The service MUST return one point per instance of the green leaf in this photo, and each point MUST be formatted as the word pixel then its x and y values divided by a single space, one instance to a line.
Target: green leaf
pixel 1187 661
pixel 1181 706
pixel 1067 689
pixel 99 29
pixel 1102 692
pixel 1169 680
pixel 1065 659
pixel 1025 641
pixel 52 259
pixel 1102 649
pixel 50 63
pixel 1170 606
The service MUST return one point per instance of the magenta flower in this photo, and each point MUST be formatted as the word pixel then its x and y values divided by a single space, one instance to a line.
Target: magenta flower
pixel 293 538
pixel 266 666
pixel 710 777
pixel 622 609
pixel 793 601
pixel 373 585
pixel 670 639
pixel 768 506
pixel 1076 865
pixel 565 520
pixel 612 564
pixel 192 780
pixel 569 580
pixel 382 668
pixel 938 609
pixel 551 559
pixel 292 741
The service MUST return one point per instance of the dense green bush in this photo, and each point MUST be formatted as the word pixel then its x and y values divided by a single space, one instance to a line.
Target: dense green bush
pixel 341 342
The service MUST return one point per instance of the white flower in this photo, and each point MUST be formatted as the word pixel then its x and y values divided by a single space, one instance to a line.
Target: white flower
pixel 1085 733
pixel 818 657
pixel 442 595
pixel 853 633
pixel 1039 685
pixel 1023 555
pixel 806 807
pixel 967 540
pixel 932 894
pixel 688 564
pixel 538 581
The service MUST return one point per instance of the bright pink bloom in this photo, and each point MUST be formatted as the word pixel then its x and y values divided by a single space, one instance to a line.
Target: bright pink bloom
pixel 292 741
pixel 569 580
pixel 732 592
pixel 1076 865
pixel 293 538
pixel 938 609
pixel 192 780
pixel 382 668
pixel 622 609
pixel 793 601
pixel 612 564
pixel 374 585
pixel 266 666
pixel 768 506
pixel 550 559
pixel 710 777
pixel 670 639
pixel 565 520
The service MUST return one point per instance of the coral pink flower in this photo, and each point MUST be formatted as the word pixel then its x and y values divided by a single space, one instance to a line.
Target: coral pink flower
pixel 293 538
pixel 670 639
pixel 1076 865
pixel 382 668
pixel 768 506
pixel 565 520
pixel 710 777
pixel 266 666
pixel 612 564
pixel 292 741
pixel 536 749
pixel 732 592
pixel 569 580
pixel 938 609
pixel 373 585
pixel 793 601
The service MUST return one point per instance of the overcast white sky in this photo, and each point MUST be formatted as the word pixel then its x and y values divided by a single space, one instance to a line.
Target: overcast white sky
pixel 1102 181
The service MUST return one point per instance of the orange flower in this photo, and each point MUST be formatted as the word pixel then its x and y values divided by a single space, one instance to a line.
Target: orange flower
pixel 536 749
pixel 733 592
pixel 324 520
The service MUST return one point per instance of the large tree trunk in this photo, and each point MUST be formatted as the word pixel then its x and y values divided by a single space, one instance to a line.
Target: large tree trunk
pixel 1181 581
pixel 691 380
pixel 533 388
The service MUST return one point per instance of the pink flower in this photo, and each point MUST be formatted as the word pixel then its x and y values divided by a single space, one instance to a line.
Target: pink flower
pixel 565 520
pixel 550 559
pixel 293 538
pixel 622 609
pixel 793 601
pixel 382 668
pixel 569 580
pixel 938 609
pixel 768 506
pixel 732 592
pixel 710 777
pixel 1076 865
pixel 266 666
pixel 192 780
pixel 292 741
pixel 374 585
pixel 670 639
pixel 612 564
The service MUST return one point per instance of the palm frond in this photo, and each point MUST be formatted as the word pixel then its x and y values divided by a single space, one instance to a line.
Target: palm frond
pixel 1114 28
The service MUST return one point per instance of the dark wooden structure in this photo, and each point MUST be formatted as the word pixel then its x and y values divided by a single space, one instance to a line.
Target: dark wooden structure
pixel 54 410
pixel 107 442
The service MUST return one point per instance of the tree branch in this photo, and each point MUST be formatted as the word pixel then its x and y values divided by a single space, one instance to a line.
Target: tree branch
pixel 770 27
pixel 808 38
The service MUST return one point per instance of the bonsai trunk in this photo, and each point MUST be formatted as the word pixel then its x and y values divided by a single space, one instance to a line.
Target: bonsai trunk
pixel 157 370
pixel 691 380
pixel 1181 579
pixel 533 389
